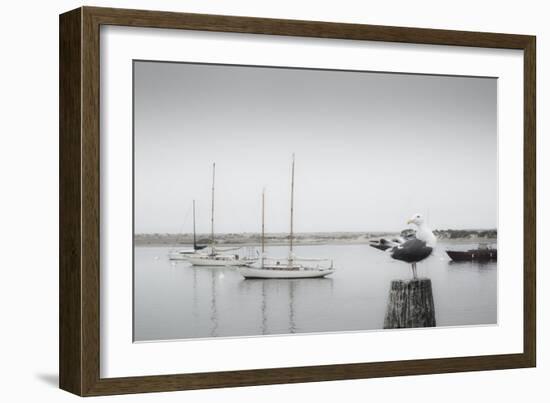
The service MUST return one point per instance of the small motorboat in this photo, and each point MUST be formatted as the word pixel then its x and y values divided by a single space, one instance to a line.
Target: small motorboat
pixel 483 253
pixel 383 244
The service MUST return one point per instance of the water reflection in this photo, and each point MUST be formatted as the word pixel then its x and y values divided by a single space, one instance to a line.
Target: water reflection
pixel 213 307
pixel 264 310
pixel 479 265
pixel 291 321
pixel 278 299
pixel 411 303
pixel 195 296
pixel 178 301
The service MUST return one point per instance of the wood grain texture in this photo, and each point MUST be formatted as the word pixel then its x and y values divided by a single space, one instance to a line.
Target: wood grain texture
pixel 79 200
pixel 316 29
pixel 530 203
pixel 70 273
pixel 410 304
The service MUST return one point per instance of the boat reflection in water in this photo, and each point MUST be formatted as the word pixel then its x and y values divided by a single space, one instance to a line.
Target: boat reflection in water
pixel 175 300
pixel 276 299
pixel 281 300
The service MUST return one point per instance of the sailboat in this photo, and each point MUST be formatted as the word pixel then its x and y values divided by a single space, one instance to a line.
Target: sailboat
pixel 183 254
pixel 292 267
pixel 214 257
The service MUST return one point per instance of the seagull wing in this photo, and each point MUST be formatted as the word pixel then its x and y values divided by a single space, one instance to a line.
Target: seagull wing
pixel 413 250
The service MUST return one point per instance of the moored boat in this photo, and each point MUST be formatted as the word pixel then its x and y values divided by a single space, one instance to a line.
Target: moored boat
pixel 183 254
pixel 214 257
pixel 483 253
pixel 218 259
pixel 291 267
pixel 383 244
pixel 284 271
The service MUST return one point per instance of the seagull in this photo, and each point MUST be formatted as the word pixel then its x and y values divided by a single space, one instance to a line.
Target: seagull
pixel 414 249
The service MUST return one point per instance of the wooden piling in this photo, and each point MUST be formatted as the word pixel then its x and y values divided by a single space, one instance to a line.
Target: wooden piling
pixel 410 304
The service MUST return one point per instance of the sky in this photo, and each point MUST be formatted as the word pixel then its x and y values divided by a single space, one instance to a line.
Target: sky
pixel 371 149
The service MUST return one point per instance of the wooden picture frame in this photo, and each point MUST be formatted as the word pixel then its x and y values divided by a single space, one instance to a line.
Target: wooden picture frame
pixel 79 278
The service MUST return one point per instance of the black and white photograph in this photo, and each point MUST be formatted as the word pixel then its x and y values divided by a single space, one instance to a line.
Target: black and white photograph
pixel 278 201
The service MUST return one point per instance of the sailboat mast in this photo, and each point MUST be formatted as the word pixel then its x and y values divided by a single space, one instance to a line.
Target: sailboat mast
pixel 212 213
pixel 263 221
pixel 263 226
pixel 292 208
pixel 194 229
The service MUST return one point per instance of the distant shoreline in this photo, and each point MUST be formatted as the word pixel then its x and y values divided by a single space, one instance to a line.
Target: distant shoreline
pixel 310 239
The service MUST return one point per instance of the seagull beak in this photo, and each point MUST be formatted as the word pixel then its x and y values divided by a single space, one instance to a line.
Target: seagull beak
pixel 409 221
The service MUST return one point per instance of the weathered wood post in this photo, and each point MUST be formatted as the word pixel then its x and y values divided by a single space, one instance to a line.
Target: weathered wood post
pixel 410 304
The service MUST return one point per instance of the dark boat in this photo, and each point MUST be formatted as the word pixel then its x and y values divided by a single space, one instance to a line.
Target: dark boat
pixel 482 254
pixel 383 244
pixel 379 245
pixel 185 253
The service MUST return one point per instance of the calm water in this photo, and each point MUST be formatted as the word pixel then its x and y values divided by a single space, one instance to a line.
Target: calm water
pixel 174 300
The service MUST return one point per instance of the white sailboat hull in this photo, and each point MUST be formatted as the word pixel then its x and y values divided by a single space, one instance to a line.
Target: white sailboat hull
pixel 253 272
pixel 207 261
pixel 180 255
pixel 177 256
